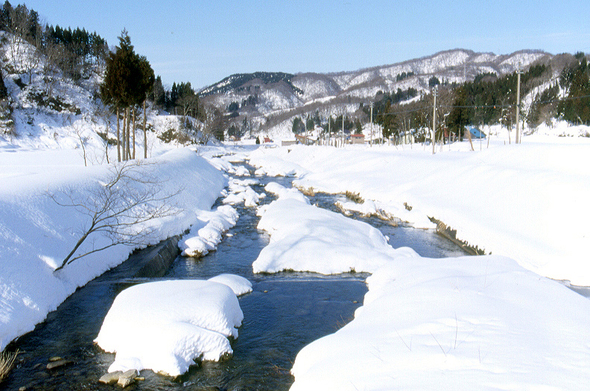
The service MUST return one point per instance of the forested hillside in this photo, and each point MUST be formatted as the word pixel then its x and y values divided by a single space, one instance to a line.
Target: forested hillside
pixel 472 89
pixel 53 91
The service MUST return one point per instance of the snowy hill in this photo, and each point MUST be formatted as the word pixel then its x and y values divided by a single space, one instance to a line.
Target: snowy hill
pixel 45 108
pixel 279 96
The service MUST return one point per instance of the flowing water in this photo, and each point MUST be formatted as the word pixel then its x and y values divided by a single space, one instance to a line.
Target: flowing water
pixel 285 312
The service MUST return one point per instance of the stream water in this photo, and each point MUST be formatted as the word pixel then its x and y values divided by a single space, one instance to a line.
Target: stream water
pixel 285 312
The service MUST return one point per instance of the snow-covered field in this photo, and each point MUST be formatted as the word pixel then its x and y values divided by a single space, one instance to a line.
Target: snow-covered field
pixel 528 201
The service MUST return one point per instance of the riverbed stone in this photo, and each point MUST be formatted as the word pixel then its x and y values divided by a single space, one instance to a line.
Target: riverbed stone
pixel 127 378
pixel 57 364
pixel 110 378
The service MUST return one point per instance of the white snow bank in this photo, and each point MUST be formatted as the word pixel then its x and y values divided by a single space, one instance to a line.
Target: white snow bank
pixel 205 234
pixel 528 202
pixel 36 234
pixel 272 166
pixel 365 208
pixel 470 323
pixel 238 284
pixel 166 325
pixel 240 191
pixel 223 164
pixel 465 323
pixel 304 237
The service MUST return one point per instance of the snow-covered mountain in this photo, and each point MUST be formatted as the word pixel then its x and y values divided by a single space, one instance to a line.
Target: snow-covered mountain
pixel 280 96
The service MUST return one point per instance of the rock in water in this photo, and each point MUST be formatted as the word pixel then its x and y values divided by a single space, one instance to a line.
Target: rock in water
pixel 110 378
pixel 127 378
pixel 58 363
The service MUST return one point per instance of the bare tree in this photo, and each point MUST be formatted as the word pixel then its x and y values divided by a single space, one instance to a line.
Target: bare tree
pixel 121 208
pixel 83 140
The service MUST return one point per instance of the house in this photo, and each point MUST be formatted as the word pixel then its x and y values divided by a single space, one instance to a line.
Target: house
pixel 357 138
pixel 476 133
pixel 304 140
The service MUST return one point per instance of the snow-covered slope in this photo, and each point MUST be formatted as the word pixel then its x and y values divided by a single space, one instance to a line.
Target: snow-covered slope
pixel 304 93
pixel 47 109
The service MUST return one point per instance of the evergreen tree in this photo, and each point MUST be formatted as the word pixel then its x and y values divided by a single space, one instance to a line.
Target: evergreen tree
pixel 159 93
pixel 298 126
pixel 576 107
pixel 460 114
pixel 127 81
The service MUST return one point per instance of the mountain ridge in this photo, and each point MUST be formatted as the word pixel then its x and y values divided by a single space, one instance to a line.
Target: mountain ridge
pixel 280 96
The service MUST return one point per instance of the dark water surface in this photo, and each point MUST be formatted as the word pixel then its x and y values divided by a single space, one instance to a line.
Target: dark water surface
pixel 285 312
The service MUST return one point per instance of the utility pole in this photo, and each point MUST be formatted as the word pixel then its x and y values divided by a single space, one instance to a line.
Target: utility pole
pixel 434 119
pixel 371 124
pixel 329 131
pixel 518 72
pixel 305 133
pixel 342 130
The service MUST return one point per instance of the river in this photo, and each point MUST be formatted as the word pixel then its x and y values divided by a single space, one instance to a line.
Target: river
pixel 284 312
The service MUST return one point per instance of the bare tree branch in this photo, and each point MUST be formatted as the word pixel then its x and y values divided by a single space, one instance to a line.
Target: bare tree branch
pixel 121 208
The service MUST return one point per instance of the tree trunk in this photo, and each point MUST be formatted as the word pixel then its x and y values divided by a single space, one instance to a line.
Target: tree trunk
pixel 144 132
pixel 118 138
pixel 128 147
pixel 133 132
pixel 78 244
pixel 124 137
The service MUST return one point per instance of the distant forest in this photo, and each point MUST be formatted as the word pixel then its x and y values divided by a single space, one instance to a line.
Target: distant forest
pixel 490 100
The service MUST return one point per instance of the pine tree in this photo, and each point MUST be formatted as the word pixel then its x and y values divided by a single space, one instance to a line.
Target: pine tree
pixel 576 108
pixel 127 81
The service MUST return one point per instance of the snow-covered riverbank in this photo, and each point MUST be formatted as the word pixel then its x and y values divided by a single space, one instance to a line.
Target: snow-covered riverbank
pixel 528 202
pixel 464 323
pixel 36 233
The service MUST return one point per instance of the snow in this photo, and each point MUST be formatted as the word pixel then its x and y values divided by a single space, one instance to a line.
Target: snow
pixel 490 322
pixel 465 323
pixel 36 233
pixel 205 234
pixel 523 201
pixel 239 285
pixel 366 208
pixel 304 237
pixel 240 191
pixel 166 325
pixel 461 323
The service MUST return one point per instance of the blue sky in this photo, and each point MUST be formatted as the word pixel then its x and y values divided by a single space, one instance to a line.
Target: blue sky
pixel 204 41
